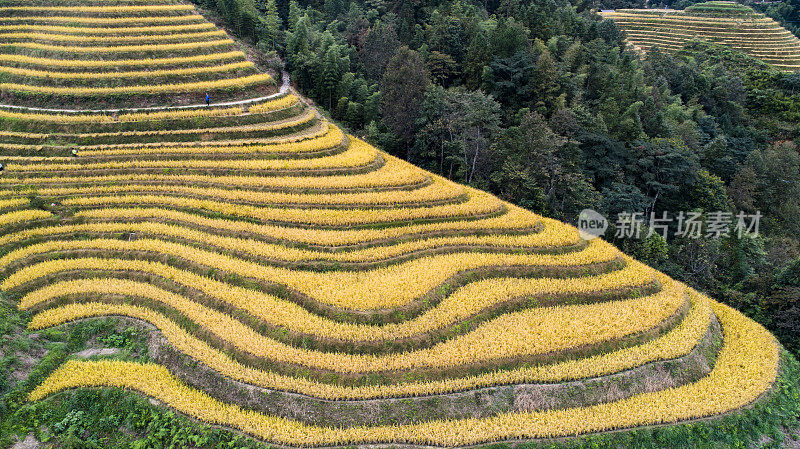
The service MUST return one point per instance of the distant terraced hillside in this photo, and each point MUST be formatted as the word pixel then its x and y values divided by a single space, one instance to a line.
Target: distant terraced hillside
pixel 123 53
pixel 308 289
pixel 726 23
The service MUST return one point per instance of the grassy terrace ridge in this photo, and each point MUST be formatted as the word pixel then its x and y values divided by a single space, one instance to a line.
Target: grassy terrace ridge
pixel 277 277
pixel 722 22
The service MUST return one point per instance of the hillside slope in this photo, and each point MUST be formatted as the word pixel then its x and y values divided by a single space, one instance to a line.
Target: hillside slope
pixel 721 22
pixel 309 289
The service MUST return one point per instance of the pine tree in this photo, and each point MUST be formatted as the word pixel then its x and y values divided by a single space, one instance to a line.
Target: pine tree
pixel 331 71
pixel 295 13
pixel 403 86
pixel 333 8
pixel 271 23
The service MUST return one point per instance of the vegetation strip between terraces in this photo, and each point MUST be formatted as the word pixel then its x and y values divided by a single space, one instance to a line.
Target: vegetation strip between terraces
pixel 457 405
pixel 733 383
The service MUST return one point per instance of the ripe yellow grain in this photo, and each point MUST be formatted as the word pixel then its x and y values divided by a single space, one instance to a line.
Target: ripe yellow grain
pixel 554 235
pixel 146 30
pixel 118 2
pixel 306 117
pixel 10 10
pixel 383 287
pixel 514 219
pixel 134 74
pixel 269 106
pixel 13 202
pixel 128 117
pixel 460 305
pixel 440 190
pixel 280 253
pixel 105 21
pixel 676 343
pixel 225 83
pixel 393 174
pixel 539 331
pixel 22 135
pixel 119 48
pixel 357 155
pixel 95 63
pixel 181 37
pixel 323 137
pixel 477 205
pixel 178 114
pixel 22 216
pixel 746 367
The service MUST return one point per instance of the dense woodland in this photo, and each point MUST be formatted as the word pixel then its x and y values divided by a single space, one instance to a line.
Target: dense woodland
pixel 541 104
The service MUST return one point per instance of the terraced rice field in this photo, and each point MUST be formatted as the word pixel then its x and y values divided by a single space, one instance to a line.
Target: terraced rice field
pixel 721 22
pixel 308 289
pixel 97 54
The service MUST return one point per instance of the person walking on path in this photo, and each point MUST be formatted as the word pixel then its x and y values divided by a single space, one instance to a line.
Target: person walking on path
pixel 208 99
